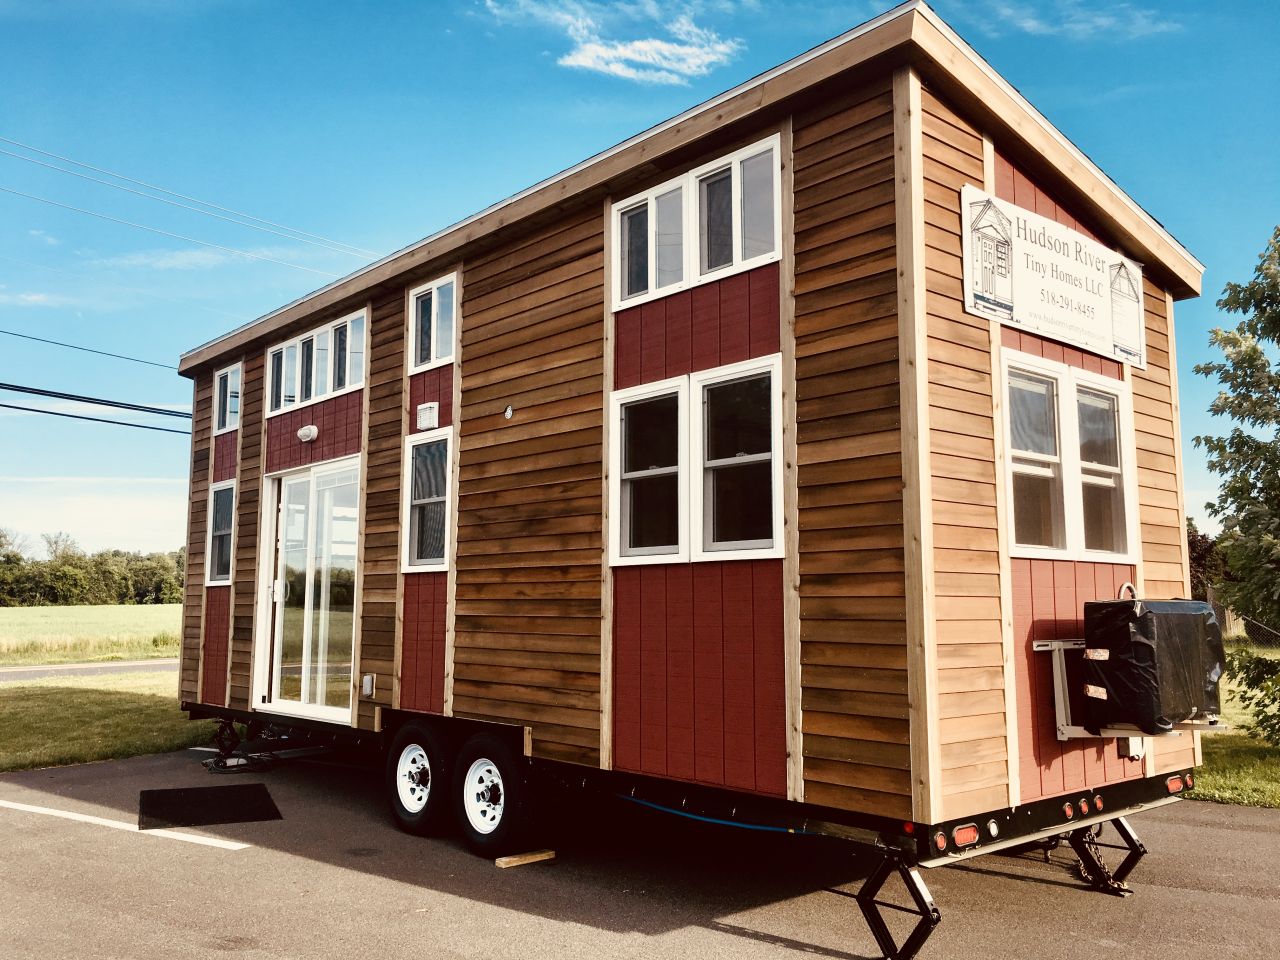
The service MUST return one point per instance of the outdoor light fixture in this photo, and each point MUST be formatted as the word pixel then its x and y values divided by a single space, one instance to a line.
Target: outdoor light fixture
pixel 308 433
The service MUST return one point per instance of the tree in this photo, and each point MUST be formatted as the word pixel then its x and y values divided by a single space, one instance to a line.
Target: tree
pixel 1206 562
pixel 60 546
pixel 1248 458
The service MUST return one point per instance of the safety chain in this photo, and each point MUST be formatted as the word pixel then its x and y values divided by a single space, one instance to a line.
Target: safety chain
pixel 1099 876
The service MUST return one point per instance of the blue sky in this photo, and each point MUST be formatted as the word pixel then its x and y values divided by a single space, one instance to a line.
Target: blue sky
pixel 376 124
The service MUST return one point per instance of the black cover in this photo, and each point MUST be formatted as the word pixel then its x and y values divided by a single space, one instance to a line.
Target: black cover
pixel 1164 658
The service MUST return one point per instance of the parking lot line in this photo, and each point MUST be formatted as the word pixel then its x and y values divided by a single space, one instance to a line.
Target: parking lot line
pixel 124 825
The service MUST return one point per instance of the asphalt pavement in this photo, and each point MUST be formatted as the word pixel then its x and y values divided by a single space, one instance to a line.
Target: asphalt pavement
pixel 334 878
pixel 168 665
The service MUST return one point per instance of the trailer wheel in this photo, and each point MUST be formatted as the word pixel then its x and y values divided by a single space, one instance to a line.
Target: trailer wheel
pixel 417 780
pixel 491 796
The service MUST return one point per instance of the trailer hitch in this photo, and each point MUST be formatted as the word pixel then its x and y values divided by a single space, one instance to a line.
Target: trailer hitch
pixel 1093 869
pixel 924 908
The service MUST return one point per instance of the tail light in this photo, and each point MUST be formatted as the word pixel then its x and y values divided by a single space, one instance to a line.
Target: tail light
pixel 965 836
pixel 1068 810
pixel 1174 784
pixel 940 841
pixel 1190 781
pixel 1097 803
pixel 1084 807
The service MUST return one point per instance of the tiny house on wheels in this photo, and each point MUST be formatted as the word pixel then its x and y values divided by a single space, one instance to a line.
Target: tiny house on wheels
pixel 767 466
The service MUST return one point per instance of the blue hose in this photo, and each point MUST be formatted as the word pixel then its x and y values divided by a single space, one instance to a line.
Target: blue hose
pixel 715 820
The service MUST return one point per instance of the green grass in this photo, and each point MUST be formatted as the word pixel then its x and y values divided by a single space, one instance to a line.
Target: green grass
pixel 61 720
pixel 38 635
pixel 1238 768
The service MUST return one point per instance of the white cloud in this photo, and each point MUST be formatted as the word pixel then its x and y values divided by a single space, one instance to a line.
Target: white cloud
pixel 46 238
pixel 683 51
pixel 1073 19
pixel 34 300
pixel 101 513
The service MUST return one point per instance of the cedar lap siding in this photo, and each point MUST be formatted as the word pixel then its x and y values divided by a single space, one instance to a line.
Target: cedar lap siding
pixel 884 664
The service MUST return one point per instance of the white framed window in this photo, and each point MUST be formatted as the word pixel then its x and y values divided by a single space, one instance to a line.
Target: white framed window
pixel 427 496
pixel 222 508
pixel 718 219
pixel 1071 475
pixel 226 399
pixel 433 312
pixel 696 466
pixel 319 364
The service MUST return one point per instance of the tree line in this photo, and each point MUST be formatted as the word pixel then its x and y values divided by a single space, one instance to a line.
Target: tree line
pixel 72 577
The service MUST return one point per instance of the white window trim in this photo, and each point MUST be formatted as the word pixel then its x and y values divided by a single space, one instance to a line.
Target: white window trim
pixel 230 425
pixel 692 519
pixel 617 400
pixel 688 182
pixel 1068 380
pixel 209 579
pixel 406 491
pixel 352 384
pixel 411 335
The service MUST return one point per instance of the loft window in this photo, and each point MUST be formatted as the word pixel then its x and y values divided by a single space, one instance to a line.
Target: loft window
pixel 695 471
pixel 427 500
pixel 715 220
pixel 221 520
pixel 318 364
pixel 432 312
pixel 1070 439
pixel 226 393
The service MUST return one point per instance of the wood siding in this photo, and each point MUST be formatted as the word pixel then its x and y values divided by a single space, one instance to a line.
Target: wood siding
pixel 338 420
pixel 226 448
pixel 379 584
pixel 248 511
pixel 961 421
pixel 422 663
pixel 852 606
pixel 708 326
pixel 528 596
pixel 217 626
pixel 197 532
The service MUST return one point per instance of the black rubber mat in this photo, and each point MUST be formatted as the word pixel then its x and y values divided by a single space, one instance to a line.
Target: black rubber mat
pixel 205 806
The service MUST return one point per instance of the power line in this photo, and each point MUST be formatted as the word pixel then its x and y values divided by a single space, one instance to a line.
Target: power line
pixel 81 416
pixel 182 196
pixel 208 213
pixel 101 353
pixel 118 404
pixel 166 233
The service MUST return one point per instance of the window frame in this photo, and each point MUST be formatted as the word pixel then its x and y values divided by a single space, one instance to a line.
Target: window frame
pixel 679 387
pixel 692 521
pixel 354 378
pixel 411 334
pixel 407 564
pixel 688 183
pixel 210 579
pixel 1068 382
pixel 229 424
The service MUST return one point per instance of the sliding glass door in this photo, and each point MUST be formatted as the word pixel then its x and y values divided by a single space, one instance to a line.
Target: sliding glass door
pixel 314 622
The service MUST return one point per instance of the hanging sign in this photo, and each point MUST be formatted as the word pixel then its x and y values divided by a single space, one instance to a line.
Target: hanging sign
pixel 1033 273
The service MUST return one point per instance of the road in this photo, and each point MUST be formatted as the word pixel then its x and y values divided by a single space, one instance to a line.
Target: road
pixel 335 879
pixel 8 674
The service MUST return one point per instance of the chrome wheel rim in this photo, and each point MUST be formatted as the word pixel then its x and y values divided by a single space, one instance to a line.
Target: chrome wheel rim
pixel 483 798
pixel 413 778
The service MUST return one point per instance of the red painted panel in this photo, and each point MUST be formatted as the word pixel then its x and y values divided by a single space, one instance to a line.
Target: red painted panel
pixel 710 325
pixel 226 449
pixel 1048 603
pixel 422 650
pixel 699 685
pixel 431 386
pixel 338 419
pixel 217 630
pixel 1039 346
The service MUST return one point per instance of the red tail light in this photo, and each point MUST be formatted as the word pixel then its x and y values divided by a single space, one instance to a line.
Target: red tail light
pixel 965 836
pixel 1068 810
pixel 1174 784
pixel 1190 782
pixel 1084 807
pixel 940 841
pixel 1097 803
pixel 908 828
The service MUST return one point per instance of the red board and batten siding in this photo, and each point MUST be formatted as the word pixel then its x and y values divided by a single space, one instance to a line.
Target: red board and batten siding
pixel 422 663
pixel 217 629
pixel 226 448
pixel 1048 595
pixel 338 421
pixel 699 675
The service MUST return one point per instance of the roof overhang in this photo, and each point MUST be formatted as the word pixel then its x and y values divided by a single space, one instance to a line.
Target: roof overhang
pixel 911 32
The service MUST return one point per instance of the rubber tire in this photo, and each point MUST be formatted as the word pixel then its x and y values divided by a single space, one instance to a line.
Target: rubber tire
pixel 511 833
pixel 434 817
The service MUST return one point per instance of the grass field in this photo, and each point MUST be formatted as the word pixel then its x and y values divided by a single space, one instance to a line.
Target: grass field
pixel 34 635
pixel 1237 768
pixel 60 720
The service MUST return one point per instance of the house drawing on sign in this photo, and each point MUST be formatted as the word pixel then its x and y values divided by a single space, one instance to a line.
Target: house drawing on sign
pixel 991 243
pixel 1126 314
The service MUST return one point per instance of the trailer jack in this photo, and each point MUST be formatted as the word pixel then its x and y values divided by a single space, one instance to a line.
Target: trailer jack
pixel 1093 869
pixel 924 908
